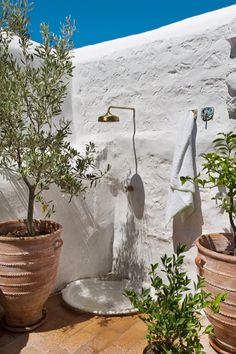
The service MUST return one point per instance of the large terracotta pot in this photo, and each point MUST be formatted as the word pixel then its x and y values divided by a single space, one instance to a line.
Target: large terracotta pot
pixel 219 271
pixel 28 267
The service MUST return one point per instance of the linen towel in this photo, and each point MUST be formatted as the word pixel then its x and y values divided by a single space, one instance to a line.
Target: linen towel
pixel 180 196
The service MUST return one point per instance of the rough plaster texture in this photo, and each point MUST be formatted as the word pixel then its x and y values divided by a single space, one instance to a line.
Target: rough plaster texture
pixel 162 73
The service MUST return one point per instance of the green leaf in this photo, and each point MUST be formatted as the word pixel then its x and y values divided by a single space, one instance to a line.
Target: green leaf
pixel 173 314
pixel 219 173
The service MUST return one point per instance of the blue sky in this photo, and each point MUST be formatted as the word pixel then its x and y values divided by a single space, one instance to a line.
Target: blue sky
pixel 102 20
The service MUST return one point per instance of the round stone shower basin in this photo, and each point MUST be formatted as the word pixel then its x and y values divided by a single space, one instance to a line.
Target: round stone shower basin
pixel 100 296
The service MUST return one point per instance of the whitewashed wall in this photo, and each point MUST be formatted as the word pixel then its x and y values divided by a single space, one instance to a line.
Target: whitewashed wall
pixel 162 73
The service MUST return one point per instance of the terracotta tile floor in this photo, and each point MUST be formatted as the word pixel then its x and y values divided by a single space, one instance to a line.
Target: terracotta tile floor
pixel 71 332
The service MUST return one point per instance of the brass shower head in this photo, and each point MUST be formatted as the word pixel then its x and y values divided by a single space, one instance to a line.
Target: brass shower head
pixel 108 118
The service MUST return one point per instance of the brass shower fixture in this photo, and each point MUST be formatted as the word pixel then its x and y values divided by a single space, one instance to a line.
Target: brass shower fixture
pixel 108 117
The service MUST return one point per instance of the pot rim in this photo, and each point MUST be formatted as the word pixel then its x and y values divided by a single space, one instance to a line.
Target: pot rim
pixel 213 254
pixel 29 238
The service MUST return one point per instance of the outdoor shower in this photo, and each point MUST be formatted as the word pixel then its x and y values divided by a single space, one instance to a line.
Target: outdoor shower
pixel 136 196
pixel 103 295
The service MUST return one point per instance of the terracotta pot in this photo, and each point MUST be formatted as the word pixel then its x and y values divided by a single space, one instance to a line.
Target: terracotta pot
pixel 28 267
pixel 219 271
pixel 149 350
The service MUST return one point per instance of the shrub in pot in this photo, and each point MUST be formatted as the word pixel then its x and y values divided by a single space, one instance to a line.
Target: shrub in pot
pixel 216 259
pixel 172 313
pixel 34 146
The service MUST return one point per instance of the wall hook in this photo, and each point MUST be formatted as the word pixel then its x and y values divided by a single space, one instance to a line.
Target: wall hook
pixel 207 114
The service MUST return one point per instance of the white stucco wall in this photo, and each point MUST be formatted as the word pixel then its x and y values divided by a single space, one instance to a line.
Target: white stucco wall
pixel 162 73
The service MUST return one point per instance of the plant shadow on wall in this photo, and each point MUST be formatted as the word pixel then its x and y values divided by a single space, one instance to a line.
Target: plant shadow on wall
pixel 187 226
pixel 11 207
pixel 91 249
pixel 127 262
pixel 126 259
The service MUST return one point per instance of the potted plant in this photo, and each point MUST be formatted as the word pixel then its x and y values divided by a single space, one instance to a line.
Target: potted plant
pixel 172 313
pixel 34 146
pixel 216 259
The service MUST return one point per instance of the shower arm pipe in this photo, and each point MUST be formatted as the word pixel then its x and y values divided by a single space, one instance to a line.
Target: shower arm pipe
pixel 121 107
pixel 133 138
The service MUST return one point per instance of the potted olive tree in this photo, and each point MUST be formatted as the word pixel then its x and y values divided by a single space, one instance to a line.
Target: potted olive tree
pixel 34 146
pixel 171 311
pixel 216 251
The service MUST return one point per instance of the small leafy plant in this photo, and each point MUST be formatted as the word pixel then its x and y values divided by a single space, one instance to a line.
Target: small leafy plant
pixel 172 314
pixel 219 169
pixel 34 136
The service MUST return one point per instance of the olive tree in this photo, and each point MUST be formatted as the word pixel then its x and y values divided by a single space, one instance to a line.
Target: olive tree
pixel 34 135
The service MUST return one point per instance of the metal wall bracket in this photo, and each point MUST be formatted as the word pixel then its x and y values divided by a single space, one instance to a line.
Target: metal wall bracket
pixel 207 114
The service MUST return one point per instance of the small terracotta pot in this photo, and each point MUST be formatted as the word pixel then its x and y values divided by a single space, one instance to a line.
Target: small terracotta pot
pixel 28 267
pixel 149 350
pixel 219 271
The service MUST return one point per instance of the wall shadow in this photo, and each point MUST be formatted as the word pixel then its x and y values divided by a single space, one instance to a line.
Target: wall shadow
pixel 187 226
pixel 13 197
pixel 232 42
pixel 231 101
pixel 136 196
pixel 127 263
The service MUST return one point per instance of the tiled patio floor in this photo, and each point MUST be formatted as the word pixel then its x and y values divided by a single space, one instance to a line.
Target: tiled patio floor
pixel 69 332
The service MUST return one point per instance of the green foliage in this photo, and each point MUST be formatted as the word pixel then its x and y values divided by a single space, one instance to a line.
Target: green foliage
pixel 173 313
pixel 218 170
pixel 33 134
